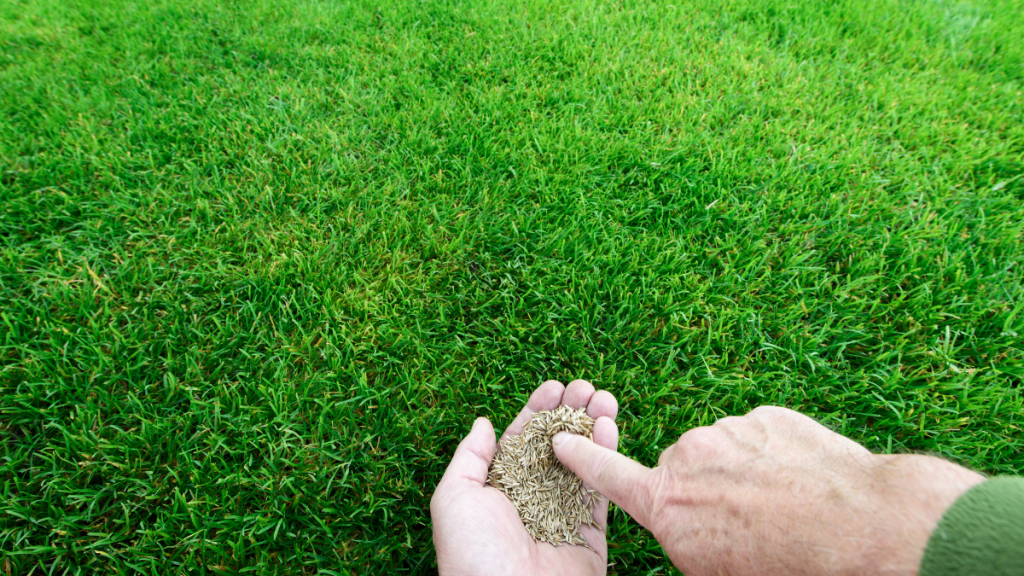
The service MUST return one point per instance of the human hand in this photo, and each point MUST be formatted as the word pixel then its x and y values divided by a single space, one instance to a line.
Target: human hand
pixel 774 492
pixel 477 530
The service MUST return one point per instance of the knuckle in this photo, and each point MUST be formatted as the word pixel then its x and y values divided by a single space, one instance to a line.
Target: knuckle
pixel 768 417
pixel 769 413
pixel 781 419
pixel 666 455
pixel 700 441
pixel 729 422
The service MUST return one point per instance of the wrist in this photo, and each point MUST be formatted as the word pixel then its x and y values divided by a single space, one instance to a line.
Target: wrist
pixel 914 492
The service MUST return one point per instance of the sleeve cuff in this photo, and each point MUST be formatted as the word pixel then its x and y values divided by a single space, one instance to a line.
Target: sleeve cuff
pixel 981 534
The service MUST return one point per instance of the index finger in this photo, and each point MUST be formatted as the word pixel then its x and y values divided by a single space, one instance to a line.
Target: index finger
pixel 546 397
pixel 616 477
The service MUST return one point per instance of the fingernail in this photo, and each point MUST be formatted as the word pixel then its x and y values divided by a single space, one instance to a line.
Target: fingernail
pixel 560 439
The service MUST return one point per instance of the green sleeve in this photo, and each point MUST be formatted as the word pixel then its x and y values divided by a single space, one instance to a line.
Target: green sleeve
pixel 981 534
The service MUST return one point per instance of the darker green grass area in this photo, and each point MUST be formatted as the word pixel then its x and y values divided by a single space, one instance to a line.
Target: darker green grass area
pixel 262 263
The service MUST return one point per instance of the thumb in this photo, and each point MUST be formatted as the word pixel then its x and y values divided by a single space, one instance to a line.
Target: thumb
pixel 473 456
pixel 622 480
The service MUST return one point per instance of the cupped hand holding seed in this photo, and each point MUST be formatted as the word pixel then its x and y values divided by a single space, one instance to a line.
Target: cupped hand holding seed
pixel 477 529
pixel 774 492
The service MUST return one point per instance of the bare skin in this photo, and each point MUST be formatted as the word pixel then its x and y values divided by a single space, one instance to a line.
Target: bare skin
pixel 774 492
pixel 477 530
pixel 769 493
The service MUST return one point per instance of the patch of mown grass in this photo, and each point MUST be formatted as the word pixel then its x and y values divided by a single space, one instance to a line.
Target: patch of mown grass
pixel 262 263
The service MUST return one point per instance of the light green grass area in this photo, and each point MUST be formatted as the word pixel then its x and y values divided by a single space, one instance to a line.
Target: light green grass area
pixel 261 263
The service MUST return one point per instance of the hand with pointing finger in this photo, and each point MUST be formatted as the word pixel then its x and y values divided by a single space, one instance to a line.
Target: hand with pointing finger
pixel 477 530
pixel 774 492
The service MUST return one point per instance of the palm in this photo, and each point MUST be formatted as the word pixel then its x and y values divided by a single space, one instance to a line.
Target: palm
pixel 477 529
pixel 489 529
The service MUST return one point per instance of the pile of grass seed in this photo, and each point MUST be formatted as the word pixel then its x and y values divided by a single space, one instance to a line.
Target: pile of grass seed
pixel 550 498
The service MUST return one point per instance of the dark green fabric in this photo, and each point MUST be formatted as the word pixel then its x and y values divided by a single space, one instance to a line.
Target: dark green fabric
pixel 982 534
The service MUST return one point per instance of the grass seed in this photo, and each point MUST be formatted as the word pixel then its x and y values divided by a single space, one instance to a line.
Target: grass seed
pixel 550 499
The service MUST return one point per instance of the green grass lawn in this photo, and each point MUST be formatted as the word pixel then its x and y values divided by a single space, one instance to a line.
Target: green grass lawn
pixel 261 263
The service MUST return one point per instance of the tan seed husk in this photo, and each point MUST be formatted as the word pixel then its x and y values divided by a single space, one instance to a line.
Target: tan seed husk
pixel 550 498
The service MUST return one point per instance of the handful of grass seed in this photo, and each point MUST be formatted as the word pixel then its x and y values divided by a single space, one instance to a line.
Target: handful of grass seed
pixel 550 498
